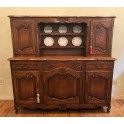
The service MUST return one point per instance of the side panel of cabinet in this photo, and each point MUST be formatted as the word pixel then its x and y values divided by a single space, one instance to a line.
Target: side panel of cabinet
pixel 101 37
pixel 62 85
pixel 23 34
pixel 26 86
pixel 98 87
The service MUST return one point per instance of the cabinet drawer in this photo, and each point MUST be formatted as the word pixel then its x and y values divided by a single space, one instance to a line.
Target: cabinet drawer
pixel 76 65
pixel 99 65
pixel 24 65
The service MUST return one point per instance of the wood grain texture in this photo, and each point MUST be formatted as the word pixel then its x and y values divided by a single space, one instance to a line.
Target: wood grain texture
pixel 33 16
pixel 102 36
pixel 7 110
pixel 28 35
pixel 23 37
pixel 61 58
pixel 61 77
pixel 62 84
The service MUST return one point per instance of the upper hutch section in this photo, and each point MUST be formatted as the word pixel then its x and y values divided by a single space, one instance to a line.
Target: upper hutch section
pixel 61 36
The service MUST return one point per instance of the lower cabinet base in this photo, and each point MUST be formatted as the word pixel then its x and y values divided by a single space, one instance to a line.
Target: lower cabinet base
pixel 63 107
pixel 67 84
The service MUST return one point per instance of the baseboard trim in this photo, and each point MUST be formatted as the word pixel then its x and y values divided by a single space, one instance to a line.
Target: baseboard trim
pixel 6 97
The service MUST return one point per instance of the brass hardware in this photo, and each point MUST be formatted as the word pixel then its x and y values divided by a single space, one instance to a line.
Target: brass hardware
pixel 29 76
pixel 94 76
pixel 38 98
pixel 98 66
pixel 24 67
pixel 63 72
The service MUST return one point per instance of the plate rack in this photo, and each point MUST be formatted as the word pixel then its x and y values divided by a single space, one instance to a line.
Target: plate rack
pixel 59 37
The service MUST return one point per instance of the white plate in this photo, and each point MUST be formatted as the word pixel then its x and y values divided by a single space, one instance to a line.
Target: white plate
pixel 63 41
pixel 76 41
pixel 62 29
pixel 48 29
pixel 77 29
pixel 48 41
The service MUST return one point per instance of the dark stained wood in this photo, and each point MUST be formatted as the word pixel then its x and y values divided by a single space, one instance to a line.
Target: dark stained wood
pixel 32 16
pixel 97 84
pixel 62 85
pixel 28 35
pixel 61 58
pixel 27 87
pixel 75 65
pixel 23 34
pixel 101 36
pixel 99 65
pixel 62 52
pixel 61 77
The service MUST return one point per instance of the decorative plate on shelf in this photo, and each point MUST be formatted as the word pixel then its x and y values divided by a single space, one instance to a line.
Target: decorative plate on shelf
pixel 48 29
pixel 48 41
pixel 63 41
pixel 62 29
pixel 77 29
pixel 76 41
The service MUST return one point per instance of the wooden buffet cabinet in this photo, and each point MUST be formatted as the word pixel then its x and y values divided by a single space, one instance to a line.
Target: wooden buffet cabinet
pixel 62 62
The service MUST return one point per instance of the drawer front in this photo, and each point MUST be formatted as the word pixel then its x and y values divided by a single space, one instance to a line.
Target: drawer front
pixel 99 65
pixel 49 65
pixel 24 65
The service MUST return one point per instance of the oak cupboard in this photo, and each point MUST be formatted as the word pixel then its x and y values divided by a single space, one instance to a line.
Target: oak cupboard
pixel 62 62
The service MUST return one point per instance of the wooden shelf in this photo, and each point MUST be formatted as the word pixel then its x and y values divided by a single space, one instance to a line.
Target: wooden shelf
pixel 61 34
pixel 59 47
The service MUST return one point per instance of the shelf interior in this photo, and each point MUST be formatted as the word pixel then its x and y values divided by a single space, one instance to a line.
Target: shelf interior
pixel 55 35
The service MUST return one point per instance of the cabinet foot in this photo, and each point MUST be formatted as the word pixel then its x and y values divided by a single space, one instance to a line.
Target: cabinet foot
pixel 106 109
pixel 16 109
pixel 62 107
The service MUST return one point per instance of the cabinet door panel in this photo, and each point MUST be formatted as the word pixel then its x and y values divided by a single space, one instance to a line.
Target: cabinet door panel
pixel 97 87
pixel 23 37
pixel 101 36
pixel 62 86
pixel 26 85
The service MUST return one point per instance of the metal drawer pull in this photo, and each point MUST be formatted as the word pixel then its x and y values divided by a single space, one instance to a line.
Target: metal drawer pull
pixel 67 21
pixel 99 66
pixel 57 21
pixel 38 98
pixel 24 67
pixel 29 76
pixel 94 76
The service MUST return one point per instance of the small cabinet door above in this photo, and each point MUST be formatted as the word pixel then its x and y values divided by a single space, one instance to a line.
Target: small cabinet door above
pixel 23 34
pixel 101 37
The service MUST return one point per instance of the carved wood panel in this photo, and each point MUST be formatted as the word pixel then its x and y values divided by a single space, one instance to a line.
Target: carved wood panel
pixel 97 85
pixel 101 33
pixel 62 85
pixel 26 86
pixel 76 65
pixel 23 37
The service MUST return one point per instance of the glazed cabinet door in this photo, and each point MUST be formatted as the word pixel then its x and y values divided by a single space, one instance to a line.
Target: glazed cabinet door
pixel 26 87
pixel 101 37
pixel 62 85
pixel 98 87
pixel 23 34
